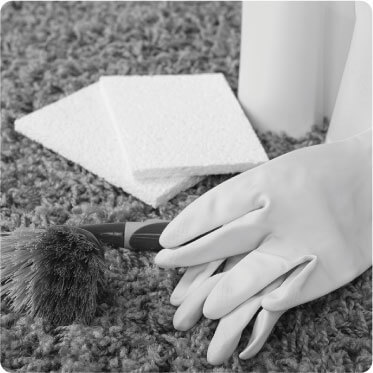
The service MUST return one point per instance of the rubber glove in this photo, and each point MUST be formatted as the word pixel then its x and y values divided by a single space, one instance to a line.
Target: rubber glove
pixel 191 293
pixel 305 215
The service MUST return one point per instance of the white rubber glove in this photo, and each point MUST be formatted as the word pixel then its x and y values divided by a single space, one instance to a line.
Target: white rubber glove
pixel 190 294
pixel 305 215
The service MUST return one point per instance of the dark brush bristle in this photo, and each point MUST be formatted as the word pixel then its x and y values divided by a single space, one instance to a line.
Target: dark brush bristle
pixel 54 273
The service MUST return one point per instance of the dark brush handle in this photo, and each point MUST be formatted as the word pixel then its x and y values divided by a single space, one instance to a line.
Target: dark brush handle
pixel 138 236
pixel 144 235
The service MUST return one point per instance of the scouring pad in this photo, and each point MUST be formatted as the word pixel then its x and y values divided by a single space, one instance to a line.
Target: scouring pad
pixel 181 125
pixel 79 128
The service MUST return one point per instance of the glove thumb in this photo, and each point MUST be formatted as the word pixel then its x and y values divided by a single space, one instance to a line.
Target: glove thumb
pixel 291 293
pixel 263 326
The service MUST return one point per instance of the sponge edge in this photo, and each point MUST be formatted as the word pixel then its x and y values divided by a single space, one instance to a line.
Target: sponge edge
pixel 181 124
pixel 79 128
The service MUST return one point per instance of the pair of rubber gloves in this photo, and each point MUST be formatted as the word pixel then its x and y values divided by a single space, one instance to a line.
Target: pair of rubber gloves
pixel 289 231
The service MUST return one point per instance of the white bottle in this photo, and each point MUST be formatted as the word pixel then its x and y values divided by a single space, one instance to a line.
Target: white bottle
pixel 353 109
pixel 292 59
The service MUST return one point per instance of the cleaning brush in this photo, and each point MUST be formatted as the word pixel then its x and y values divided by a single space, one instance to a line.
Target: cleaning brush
pixel 58 272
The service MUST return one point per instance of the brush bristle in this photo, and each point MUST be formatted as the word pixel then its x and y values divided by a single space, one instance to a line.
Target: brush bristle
pixel 53 273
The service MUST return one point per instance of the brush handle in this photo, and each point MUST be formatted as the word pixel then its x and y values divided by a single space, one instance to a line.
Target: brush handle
pixel 144 235
pixel 137 236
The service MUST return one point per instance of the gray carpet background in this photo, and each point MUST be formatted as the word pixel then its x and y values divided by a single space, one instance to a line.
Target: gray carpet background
pixel 52 49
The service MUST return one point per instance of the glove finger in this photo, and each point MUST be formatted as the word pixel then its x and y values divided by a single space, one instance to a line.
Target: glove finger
pixel 252 274
pixel 192 279
pixel 196 275
pixel 232 261
pixel 240 236
pixel 221 205
pixel 190 311
pixel 264 323
pixel 231 326
pixel 229 330
pixel 296 289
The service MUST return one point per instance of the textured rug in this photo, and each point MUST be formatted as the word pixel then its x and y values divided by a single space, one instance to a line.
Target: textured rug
pixel 51 49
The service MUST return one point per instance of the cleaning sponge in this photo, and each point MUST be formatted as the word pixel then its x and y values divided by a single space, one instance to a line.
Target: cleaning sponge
pixel 181 124
pixel 79 128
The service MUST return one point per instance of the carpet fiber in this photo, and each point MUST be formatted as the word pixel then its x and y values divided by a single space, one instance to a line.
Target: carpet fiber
pixel 51 49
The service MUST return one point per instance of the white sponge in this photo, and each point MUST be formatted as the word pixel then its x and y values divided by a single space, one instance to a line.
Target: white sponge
pixel 79 128
pixel 181 125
